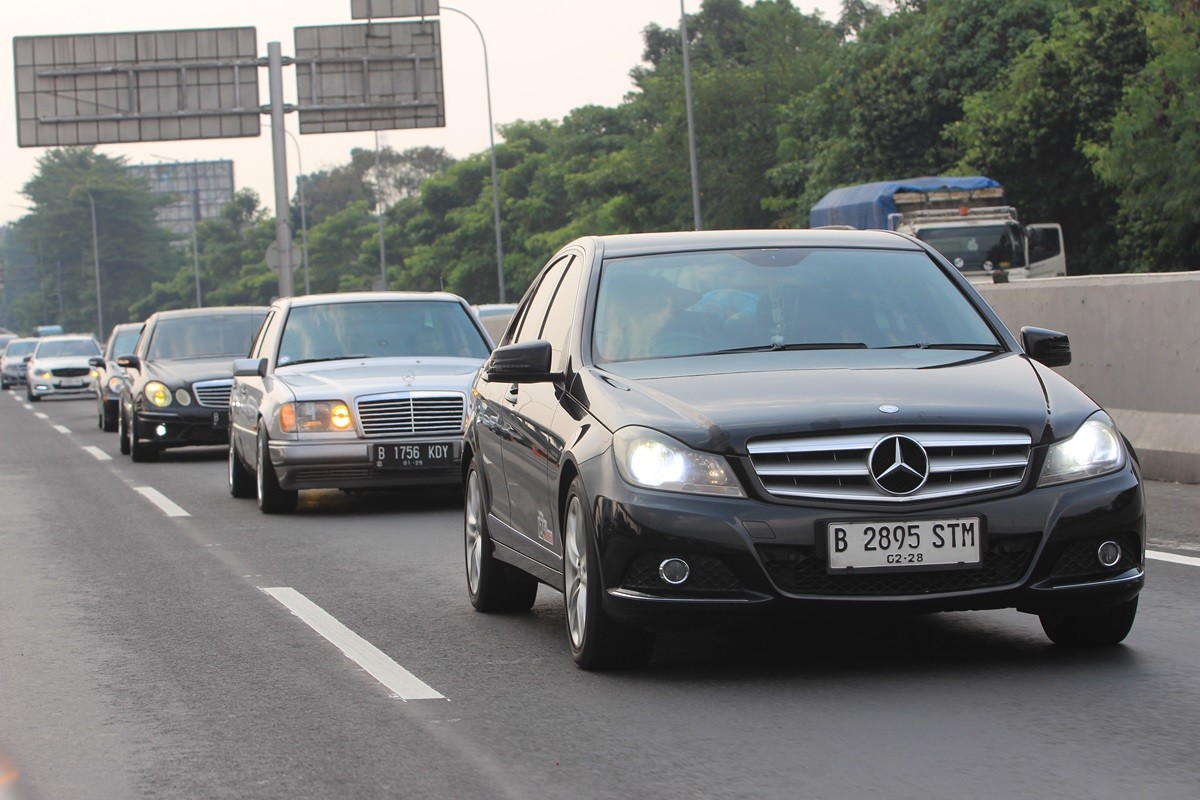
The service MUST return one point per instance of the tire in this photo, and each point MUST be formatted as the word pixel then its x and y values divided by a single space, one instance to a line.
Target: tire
pixel 271 498
pixel 108 417
pixel 1100 628
pixel 241 480
pixel 597 642
pixel 491 584
pixel 122 434
pixel 141 452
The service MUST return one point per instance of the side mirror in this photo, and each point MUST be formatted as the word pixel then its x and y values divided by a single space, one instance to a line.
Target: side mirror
pixel 129 362
pixel 96 361
pixel 250 367
pixel 1049 347
pixel 27 359
pixel 527 362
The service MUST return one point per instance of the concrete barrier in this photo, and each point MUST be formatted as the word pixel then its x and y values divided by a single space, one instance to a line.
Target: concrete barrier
pixel 1135 344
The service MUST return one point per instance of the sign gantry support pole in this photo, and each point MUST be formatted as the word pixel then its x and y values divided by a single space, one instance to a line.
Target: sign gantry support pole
pixel 283 231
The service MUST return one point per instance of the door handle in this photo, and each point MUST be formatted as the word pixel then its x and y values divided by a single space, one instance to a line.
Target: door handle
pixel 512 394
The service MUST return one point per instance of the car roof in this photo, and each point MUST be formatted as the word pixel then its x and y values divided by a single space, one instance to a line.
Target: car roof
pixel 625 244
pixel 210 311
pixel 366 297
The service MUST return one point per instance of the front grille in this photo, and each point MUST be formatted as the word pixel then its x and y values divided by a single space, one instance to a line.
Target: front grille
pixel 213 394
pixel 70 372
pixel 709 575
pixel 836 467
pixel 799 570
pixel 1078 559
pixel 415 414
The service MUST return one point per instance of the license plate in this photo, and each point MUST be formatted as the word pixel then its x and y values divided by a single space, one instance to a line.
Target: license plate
pixel 70 383
pixel 414 456
pixel 904 545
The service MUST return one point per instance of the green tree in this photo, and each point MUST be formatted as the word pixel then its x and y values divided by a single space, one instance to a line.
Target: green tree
pixel 1149 162
pixel 133 250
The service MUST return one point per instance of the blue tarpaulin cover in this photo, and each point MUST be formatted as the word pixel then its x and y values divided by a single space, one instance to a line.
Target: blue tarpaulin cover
pixel 869 204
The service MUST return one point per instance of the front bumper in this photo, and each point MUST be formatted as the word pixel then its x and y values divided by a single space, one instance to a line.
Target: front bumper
pixel 61 387
pixel 347 464
pixel 750 555
pixel 198 425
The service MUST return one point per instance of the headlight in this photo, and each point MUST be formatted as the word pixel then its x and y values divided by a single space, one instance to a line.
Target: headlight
pixel 43 373
pixel 315 417
pixel 656 461
pixel 114 384
pixel 158 394
pixel 1094 450
pixel 183 397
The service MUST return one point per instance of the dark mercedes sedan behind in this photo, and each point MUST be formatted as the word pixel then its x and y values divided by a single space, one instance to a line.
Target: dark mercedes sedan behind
pixel 175 390
pixel 683 428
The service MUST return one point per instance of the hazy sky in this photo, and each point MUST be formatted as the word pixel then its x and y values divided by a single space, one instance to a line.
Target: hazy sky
pixel 546 57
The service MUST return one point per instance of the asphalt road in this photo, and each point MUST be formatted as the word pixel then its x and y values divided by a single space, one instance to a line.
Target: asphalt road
pixel 142 656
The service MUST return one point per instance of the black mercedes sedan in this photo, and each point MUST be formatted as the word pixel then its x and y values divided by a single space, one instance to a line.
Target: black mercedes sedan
pixel 175 390
pixel 681 428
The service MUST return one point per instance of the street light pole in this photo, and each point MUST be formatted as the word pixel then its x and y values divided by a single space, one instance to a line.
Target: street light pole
pixel 487 80
pixel 691 121
pixel 96 263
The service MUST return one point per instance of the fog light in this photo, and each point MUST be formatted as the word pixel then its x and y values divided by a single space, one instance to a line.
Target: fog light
pixel 674 571
pixel 161 430
pixel 1109 554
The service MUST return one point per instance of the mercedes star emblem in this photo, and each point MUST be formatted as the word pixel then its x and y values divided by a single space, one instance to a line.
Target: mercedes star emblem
pixel 899 465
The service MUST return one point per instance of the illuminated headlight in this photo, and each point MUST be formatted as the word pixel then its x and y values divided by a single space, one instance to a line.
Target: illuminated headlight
pixel 94 374
pixel 114 384
pixel 1094 450
pixel 183 397
pixel 42 373
pixel 654 460
pixel 315 417
pixel 158 394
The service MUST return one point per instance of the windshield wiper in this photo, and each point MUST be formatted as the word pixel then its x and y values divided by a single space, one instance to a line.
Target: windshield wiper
pixel 769 348
pixel 327 358
pixel 989 348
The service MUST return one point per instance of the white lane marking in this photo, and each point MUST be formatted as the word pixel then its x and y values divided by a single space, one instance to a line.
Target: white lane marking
pixel 1191 561
pixel 400 681
pixel 39 414
pixel 162 501
pixel 98 454
pixel 62 429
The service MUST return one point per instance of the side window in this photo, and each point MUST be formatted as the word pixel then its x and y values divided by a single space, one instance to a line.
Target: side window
pixel 265 335
pixel 535 310
pixel 561 314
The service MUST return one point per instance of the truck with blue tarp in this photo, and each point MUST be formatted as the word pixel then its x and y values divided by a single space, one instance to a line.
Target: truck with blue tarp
pixel 966 219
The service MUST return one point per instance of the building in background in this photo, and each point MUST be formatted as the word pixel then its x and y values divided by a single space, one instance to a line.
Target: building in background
pixel 199 189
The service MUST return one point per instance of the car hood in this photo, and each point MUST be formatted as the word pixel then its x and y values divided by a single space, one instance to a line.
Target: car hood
pixel 62 361
pixel 370 375
pixel 182 372
pixel 823 392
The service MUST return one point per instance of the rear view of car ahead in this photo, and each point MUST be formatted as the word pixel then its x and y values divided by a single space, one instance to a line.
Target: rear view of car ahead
pixel 60 366
pixel 12 363
pixel 175 390
pixel 353 391
pixel 691 427
pixel 120 342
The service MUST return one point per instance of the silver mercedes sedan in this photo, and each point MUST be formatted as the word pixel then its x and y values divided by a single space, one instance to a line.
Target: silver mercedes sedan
pixel 353 391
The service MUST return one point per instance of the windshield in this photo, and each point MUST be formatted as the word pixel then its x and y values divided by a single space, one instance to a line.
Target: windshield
pixel 977 247
pixel 124 342
pixel 18 348
pixel 792 298
pixel 380 329
pixel 203 336
pixel 67 347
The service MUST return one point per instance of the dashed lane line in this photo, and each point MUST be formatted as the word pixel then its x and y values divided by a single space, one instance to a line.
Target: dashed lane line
pixel 97 453
pixel 63 429
pixel 378 664
pixel 1191 561
pixel 161 500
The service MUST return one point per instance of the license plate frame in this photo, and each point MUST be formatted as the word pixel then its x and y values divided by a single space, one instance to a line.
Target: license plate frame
pixel 912 545
pixel 413 455
pixel 70 383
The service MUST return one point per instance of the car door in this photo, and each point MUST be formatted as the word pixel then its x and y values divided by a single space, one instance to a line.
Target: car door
pixel 246 397
pixel 533 453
